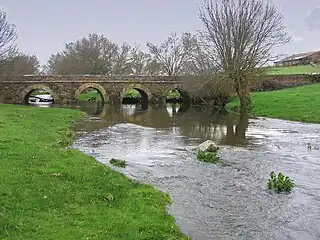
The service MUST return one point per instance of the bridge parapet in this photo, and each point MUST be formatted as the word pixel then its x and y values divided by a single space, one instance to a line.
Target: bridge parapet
pixel 16 89
pixel 90 78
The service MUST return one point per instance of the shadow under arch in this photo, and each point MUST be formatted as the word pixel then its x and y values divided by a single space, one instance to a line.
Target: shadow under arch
pixel 145 93
pixel 98 87
pixel 25 94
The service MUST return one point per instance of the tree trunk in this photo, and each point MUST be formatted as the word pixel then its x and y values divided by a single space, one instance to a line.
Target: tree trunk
pixel 242 127
pixel 244 96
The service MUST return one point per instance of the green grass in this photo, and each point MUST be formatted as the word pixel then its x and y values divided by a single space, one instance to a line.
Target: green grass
pixel 50 192
pixel 89 95
pixel 302 69
pixel 297 104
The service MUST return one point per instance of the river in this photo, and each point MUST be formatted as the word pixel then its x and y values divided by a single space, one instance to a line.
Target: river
pixel 228 200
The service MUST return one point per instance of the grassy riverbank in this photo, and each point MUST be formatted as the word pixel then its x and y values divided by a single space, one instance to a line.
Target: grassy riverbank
pixel 90 95
pixel 290 70
pixel 297 104
pixel 50 192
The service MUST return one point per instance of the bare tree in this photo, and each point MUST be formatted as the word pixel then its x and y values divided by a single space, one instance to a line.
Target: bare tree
pixel 173 52
pixel 53 65
pixel 21 64
pixel 200 61
pixel 241 35
pixel 140 61
pixel 143 63
pixel 8 36
pixel 122 61
pixel 154 67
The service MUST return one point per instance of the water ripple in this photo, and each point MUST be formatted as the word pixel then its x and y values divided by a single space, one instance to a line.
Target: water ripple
pixel 228 200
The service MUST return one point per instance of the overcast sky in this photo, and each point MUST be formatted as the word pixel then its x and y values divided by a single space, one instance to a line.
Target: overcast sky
pixel 44 26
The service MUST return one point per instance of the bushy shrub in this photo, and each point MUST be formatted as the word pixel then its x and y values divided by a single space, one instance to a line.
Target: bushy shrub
pixel 118 162
pixel 280 183
pixel 209 157
pixel 133 93
pixel 268 85
pixel 173 95
pixel 209 90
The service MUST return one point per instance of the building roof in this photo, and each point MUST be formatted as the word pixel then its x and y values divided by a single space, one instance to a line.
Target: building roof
pixel 298 56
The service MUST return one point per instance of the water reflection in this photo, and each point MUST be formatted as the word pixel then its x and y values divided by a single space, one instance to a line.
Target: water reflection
pixel 196 124
pixel 227 200
pixel 173 109
pixel 132 109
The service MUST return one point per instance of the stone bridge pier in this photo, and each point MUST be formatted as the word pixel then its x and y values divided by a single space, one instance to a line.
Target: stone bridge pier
pixel 64 89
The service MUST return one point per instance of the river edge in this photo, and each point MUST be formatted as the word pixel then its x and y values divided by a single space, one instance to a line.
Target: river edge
pixel 132 210
pixel 155 154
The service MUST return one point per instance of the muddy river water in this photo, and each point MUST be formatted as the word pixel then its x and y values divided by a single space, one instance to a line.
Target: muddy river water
pixel 228 200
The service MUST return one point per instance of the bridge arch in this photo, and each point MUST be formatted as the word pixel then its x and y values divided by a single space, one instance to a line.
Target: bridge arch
pixel 27 91
pixel 98 87
pixel 145 93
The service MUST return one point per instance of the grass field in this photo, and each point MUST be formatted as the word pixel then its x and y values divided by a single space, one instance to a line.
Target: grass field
pixel 89 95
pixel 50 192
pixel 302 69
pixel 298 104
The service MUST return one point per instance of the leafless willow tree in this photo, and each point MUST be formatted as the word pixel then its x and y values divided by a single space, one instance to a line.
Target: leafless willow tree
pixel 8 36
pixel 241 35
pixel 173 52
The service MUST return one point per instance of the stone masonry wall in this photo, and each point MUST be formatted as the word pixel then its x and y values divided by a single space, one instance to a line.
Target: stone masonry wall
pixel 64 88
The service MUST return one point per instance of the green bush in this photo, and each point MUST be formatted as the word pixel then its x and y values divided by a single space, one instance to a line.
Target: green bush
pixel 173 95
pixel 280 183
pixel 118 162
pixel 132 93
pixel 209 157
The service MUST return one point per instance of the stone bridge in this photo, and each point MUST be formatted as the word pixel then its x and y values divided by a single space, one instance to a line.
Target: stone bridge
pixel 64 89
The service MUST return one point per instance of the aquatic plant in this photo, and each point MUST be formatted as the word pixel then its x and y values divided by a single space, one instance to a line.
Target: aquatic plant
pixel 280 183
pixel 118 162
pixel 314 147
pixel 209 157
